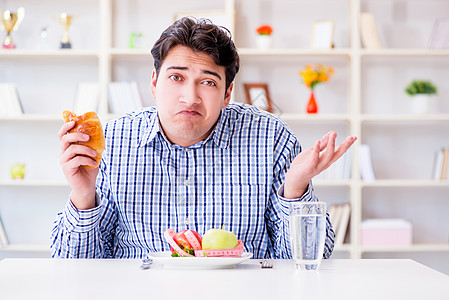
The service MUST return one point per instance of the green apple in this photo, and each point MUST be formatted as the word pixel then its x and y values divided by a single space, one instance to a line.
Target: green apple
pixel 219 239
pixel 17 171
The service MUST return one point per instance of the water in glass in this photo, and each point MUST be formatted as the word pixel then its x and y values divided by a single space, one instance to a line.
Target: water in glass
pixel 308 234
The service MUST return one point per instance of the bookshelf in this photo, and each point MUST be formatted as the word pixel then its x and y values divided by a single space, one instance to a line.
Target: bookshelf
pixel 364 98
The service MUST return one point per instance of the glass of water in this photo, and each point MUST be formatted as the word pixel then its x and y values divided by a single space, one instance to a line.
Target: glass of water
pixel 307 233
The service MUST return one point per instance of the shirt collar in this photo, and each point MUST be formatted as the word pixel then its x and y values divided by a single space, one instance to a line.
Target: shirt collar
pixel 220 135
pixel 223 130
pixel 152 128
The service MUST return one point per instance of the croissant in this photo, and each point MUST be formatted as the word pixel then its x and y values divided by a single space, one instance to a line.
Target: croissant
pixel 89 124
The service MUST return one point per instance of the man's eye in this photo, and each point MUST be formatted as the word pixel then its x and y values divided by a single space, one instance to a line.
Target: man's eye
pixel 175 77
pixel 209 83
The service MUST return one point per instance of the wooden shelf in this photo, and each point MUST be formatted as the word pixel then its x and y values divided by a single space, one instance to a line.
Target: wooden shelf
pixel 343 248
pixel 23 53
pixel 292 52
pixel 412 248
pixel 404 52
pixel 25 248
pixel 34 183
pixel 33 118
pixel 143 53
pixel 332 183
pixel 406 183
pixel 315 117
pixel 395 118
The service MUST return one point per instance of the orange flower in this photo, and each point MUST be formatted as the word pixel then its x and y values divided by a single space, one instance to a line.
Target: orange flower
pixel 264 30
pixel 312 75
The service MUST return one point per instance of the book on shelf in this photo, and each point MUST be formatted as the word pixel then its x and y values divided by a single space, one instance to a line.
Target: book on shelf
pixel 444 169
pixel 87 97
pixel 10 105
pixel 3 237
pixel 334 215
pixel 124 97
pixel 369 35
pixel 339 216
pixel 365 163
pixel 441 165
pixel 439 38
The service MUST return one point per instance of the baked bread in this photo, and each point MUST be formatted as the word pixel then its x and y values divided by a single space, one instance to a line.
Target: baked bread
pixel 89 124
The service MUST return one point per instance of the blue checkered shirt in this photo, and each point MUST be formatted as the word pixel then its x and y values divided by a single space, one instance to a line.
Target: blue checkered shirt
pixel 145 185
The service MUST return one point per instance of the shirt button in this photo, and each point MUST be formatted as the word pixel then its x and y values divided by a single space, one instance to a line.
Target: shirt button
pixel 187 149
pixel 186 182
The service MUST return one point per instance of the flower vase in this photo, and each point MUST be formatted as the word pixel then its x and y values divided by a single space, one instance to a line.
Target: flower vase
pixel 263 41
pixel 420 104
pixel 312 106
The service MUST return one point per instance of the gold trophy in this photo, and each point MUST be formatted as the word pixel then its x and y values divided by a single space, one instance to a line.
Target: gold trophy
pixel 65 21
pixel 11 21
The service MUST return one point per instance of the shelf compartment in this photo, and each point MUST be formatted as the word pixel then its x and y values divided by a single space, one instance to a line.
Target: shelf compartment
pixel 142 17
pixel 384 79
pixel 39 151
pixel 424 208
pixel 289 30
pixel 28 212
pixel 290 94
pixel 84 31
pixel 407 151
pixel 404 24
pixel 54 92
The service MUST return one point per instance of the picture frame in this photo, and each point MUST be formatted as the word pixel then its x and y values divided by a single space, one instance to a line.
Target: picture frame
pixel 218 17
pixel 258 95
pixel 322 34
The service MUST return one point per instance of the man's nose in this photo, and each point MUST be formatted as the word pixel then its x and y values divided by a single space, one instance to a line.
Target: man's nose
pixel 190 95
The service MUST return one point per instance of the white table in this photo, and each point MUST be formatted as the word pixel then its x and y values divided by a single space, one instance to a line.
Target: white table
pixel 122 279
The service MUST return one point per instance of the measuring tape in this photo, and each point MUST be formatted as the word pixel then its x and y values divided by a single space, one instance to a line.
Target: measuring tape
pixel 237 251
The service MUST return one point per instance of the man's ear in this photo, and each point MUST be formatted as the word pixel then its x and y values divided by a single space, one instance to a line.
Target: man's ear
pixel 153 84
pixel 227 97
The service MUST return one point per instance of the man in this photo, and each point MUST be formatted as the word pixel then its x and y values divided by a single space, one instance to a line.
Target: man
pixel 195 161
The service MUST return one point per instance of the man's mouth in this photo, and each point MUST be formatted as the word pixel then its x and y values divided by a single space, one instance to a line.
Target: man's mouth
pixel 188 112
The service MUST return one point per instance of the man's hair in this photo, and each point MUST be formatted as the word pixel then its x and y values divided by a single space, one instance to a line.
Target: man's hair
pixel 202 36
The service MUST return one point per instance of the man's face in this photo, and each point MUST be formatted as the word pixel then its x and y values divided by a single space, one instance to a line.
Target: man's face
pixel 190 92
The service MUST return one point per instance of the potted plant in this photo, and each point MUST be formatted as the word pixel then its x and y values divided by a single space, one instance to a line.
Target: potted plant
pixel 420 91
pixel 264 36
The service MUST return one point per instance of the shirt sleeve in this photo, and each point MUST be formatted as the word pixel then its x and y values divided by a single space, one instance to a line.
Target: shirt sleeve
pixel 286 148
pixel 85 233
pixel 74 233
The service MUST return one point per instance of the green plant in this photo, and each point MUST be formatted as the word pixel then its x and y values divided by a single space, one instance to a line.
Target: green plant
pixel 420 87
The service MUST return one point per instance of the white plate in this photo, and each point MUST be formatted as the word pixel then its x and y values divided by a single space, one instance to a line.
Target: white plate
pixel 166 259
